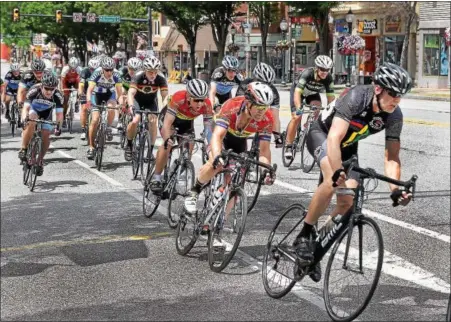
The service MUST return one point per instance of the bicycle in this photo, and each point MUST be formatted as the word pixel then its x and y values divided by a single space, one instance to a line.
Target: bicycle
pixel 14 114
pixel 300 141
pixel 125 118
pixel 33 156
pixel 100 136
pixel 252 173
pixel 71 108
pixel 337 234
pixel 181 170
pixel 141 153
pixel 225 187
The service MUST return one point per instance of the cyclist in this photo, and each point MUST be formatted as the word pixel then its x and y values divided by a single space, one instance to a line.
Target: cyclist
pixel 11 83
pixel 70 77
pixel 223 79
pixel 39 104
pixel 29 78
pixel 2 90
pixel 104 86
pixel 312 81
pixel 85 74
pixel 363 111
pixel 183 107
pixel 265 73
pixel 144 88
pixel 238 118
pixel 134 64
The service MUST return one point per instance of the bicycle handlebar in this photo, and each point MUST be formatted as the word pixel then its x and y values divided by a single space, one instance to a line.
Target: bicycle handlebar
pixel 244 157
pixel 43 122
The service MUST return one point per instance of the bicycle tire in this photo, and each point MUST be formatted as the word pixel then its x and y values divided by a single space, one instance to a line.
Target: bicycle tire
pixel 182 248
pixel 26 170
pixel 13 121
pixel 448 312
pixel 124 122
pixel 35 153
pixel 306 167
pixel 298 211
pixel 189 167
pixel 258 180
pixel 215 229
pixel 100 145
pixel 326 293
pixel 285 161
pixel 136 155
pixel 145 159
pixel 147 194
pixel 70 120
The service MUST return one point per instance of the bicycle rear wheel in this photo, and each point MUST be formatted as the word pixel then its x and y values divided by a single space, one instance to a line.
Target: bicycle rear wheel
pixel 279 260
pixel 150 200
pixel 100 145
pixel 179 191
pixel 347 302
pixel 252 186
pixel 227 231
pixel 34 162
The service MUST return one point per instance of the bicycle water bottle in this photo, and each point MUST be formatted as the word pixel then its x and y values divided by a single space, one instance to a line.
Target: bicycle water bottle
pixel 217 196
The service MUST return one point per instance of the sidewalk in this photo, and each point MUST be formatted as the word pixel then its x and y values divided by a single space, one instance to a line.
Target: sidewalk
pixel 428 94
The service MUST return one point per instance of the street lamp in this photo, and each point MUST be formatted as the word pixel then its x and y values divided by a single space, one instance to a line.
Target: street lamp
pixel 283 27
pixel 349 19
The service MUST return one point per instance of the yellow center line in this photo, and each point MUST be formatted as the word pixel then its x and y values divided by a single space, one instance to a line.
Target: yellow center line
pixel 85 241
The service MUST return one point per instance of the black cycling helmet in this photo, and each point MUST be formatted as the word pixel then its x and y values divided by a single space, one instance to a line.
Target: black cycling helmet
pixel 49 80
pixel 393 78
pixel 38 65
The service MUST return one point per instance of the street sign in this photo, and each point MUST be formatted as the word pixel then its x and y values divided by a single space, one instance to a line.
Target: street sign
pixel 77 17
pixel 110 19
pixel 90 17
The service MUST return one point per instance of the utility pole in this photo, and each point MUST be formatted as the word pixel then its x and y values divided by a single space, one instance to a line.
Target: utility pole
pixel 149 29
pixel 248 42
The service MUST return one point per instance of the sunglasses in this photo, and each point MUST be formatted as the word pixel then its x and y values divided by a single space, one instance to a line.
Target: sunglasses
pixel 107 70
pixel 231 70
pixel 394 94
pixel 261 107
pixel 198 100
pixel 49 89
pixel 324 70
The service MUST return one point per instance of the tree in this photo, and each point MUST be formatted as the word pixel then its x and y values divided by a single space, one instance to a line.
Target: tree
pixel 266 13
pixel 319 10
pixel 220 15
pixel 188 18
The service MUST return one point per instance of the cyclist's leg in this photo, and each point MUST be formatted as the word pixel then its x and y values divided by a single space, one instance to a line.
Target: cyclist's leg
pixel 66 93
pixel 7 100
pixel 162 155
pixel 153 123
pixel 83 119
pixel 47 129
pixel 28 132
pixel 111 115
pixel 132 128
pixel 95 116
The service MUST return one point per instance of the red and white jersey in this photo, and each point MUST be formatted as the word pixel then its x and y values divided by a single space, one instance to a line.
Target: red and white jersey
pixel 71 75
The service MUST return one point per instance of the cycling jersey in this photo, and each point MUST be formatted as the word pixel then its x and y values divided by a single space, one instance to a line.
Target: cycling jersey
pixel 12 83
pixel 224 86
pixel 241 89
pixel 146 90
pixel 103 84
pixel 85 74
pixel 309 83
pixel 126 78
pixel 28 80
pixel 229 118
pixel 43 106
pixel 178 105
pixel 356 107
pixel 70 76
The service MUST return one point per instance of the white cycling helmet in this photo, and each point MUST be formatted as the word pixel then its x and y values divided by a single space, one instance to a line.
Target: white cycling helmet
pixel 151 63
pixel 94 63
pixel 38 65
pixel 230 62
pixel 49 80
pixel 107 63
pixel 197 88
pixel 259 93
pixel 74 62
pixel 134 63
pixel 15 67
pixel 265 73
pixel 323 61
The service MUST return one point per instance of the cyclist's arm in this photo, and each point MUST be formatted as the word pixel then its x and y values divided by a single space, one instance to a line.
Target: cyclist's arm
pixel 330 90
pixel 163 93
pixel 89 92
pixel 118 87
pixel 166 130
pixel 21 93
pixel 265 152
pixel 216 140
pixel 3 90
pixel 392 161
pixel 336 134
pixel 297 97
pixel 212 92
pixel 131 97
pixel 81 87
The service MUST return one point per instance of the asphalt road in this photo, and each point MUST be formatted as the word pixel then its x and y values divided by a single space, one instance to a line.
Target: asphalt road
pixel 79 248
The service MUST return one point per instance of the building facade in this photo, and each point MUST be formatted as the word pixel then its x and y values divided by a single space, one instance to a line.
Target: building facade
pixel 433 68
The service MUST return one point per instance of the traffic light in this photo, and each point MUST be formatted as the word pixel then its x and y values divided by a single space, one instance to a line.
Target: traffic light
pixel 16 15
pixel 59 16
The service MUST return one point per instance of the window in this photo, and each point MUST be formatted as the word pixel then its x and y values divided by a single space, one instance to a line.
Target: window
pixel 435 56
pixel 156 27
pixel 393 49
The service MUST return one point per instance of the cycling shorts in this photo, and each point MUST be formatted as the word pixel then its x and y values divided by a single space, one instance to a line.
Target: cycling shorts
pixel 98 98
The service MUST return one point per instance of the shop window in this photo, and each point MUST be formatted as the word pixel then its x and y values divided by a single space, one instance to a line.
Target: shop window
pixel 393 49
pixel 435 56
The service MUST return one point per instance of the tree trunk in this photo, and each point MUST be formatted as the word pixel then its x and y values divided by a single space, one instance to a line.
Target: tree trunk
pixel 192 45
pixel 264 39
pixel 220 38
pixel 405 44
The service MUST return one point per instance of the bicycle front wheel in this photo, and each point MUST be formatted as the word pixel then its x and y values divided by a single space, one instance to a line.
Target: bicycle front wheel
pixel 70 118
pixel 226 231
pixel 13 121
pixel 100 145
pixel 34 162
pixel 345 302
pixel 279 260
pixel 150 200
pixel 145 156
pixel 179 191
pixel 307 160
pixel 286 161
pixel 252 186
pixel 136 155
